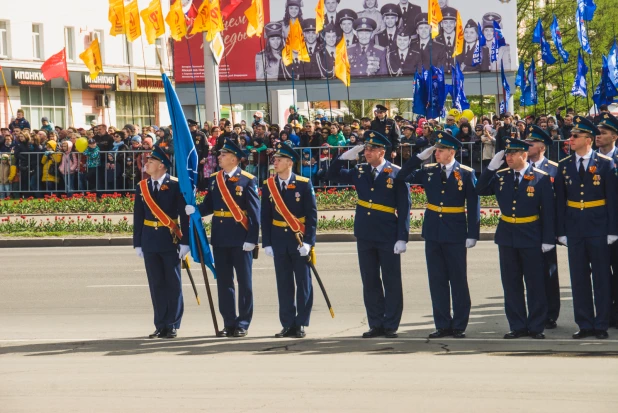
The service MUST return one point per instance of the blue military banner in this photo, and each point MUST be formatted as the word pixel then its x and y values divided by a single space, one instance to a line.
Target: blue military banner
pixel 530 93
pixel 420 95
pixel 499 41
pixel 556 36
pixel 457 89
pixel 477 57
pixel 539 37
pixel 605 91
pixel 506 91
pixel 612 64
pixel 582 30
pixel 580 85
pixel 437 93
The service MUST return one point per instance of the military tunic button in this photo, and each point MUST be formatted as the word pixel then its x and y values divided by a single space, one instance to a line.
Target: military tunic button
pixel 440 215
pixel 582 185
pixel 286 230
pixel 372 189
pixel 514 201
pixel 370 200
pixel 513 215
pixel 368 213
pixel 581 193
pixel 221 221
pixel 442 191
pixel 441 203
pixel 513 208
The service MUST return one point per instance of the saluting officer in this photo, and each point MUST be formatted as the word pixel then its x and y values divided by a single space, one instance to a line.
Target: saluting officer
pixel 539 142
pixel 526 230
pixel 162 241
pixel 381 228
pixel 586 212
pixel 606 142
pixel 450 190
pixel 289 222
pixel 387 127
pixel 233 201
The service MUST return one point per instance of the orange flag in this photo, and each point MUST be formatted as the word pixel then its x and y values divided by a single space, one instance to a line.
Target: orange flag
pixel 459 37
pixel 116 17
pixel 133 28
pixel 153 21
pixel 342 63
pixel 434 15
pixel 255 18
pixel 295 42
pixel 92 58
pixel 175 19
pixel 208 19
pixel 319 16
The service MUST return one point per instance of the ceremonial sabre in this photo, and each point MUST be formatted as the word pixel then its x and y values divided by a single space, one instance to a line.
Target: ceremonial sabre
pixel 317 277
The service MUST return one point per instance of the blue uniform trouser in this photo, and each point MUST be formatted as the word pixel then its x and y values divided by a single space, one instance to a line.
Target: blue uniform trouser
pixel 552 283
pixel 290 266
pixel 228 259
pixel 447 270
pixel 586 254
pixel 614 281
pixel 163 271
pixel 519 265
pixel 383 296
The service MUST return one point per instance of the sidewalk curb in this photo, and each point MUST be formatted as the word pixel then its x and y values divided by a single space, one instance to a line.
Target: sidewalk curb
pixel 128 241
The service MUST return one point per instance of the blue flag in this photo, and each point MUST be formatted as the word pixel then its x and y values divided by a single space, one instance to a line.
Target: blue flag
pixel 580 85
pixel 457 89
pixel 556 36
pixel 612 64
pixel 530 93
pixel 186 167
pixel 537 34
pixel 420 95
pixel 499 41
pixel 520 79
pixel 588 8
pixel 506 90
pixel 582 32
pixel 605 91
pixel 477 57
pixel 539 37
pixel 437 93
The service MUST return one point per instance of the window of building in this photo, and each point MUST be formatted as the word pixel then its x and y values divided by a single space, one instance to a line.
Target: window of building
pixel 38 102
pixel 4 39
pixel 127 51
pixel 69 43
pixel 139 109
pixel 37 42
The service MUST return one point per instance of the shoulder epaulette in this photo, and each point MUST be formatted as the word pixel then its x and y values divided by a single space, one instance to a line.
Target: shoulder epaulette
pixel 429 165
pixel 604 156
pixel 247 174
pixel 395 167
pixel 552 162
pixel 502 170
pixel 173 178
pixel 540 171
pixel 562 160
pixel 466 168
pixel 213 174
pixel 302 179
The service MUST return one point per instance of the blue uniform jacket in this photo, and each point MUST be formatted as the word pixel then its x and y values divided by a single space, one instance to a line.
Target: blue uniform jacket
pixel 373 224
pixel 534 197
pixel 446 227
pixel 226 232
pixel 171 201
pixel 548 166
pixel 301 203
pixel 587 222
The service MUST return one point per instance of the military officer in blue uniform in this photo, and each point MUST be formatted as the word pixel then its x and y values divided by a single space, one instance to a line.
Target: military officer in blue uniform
pixel 451 197
pixel 586 212
pixel 539 142
pixel 162 247
pixel 381 228
pixel 280 240
pixel 233 244
pixel 366 58
pixel 526 231
pixel 606 144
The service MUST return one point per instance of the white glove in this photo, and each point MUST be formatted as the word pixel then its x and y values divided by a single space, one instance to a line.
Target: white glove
pixel 184 251
pixel 247 246
pixel 611 239
pixel 189 209
pixel 470 243
pixel 139 252
pixel 269 251
pixel 563 240
pixel 496 161
pixel 426 154
pixel 304 250
pixel 400 247
pixel 352 154
pixel 547 247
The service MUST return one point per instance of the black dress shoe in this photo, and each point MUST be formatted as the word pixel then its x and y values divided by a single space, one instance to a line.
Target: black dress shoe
pixel 171 333
pixel 537 336
pixel 459 334
pixel 286 332
pixel 374 332
pixel 300 332
pixel 583 333
pixel 515 334
pixel 551 324
pixel 391 334
pixel 240 332
pixel 601 334
pixel 158 333
pixel 441 332
pixel 226 332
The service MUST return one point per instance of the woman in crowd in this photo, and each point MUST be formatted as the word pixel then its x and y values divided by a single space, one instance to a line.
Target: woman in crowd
pixel 68 166
pixel 51 167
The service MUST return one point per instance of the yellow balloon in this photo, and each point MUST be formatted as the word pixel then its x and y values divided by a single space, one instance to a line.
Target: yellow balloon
pixel 468 114
pixel 81 144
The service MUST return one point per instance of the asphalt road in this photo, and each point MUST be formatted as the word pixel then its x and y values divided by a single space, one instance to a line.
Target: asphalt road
pixel 73 322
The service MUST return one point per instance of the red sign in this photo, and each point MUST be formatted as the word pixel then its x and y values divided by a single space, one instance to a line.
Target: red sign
pixel 239 57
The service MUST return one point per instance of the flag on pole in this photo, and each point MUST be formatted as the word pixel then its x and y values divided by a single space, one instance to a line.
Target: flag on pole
pixel 539 37
pixel 208 19
pixel 319 16
pixel 612 63
pixel 605 91
pixel 175 19
pixel 131 21
pixel 498 42
pixel 506 91
pixel 295 42
pixel 56 66
pixel 116 17
pixel 582 32
pixel 556 36
pixel 153 21
pixel 437 91
pixel 187 170
pixel 457 92
pixel 92 58
pixel 434 14
pixel 255 18
pixel 420 95
pixel 342 63
pixel 459 37
pixel 588 8
pixel 531 96
pixel 521 75
pixel 229 9
pixel 477 57
pixel 580 85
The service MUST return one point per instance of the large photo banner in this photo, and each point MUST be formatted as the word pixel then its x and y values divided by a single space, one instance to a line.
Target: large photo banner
pixel 385 39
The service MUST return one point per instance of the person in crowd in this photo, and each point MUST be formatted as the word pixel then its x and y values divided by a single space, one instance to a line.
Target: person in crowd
pixel 51 160
pixel 93 163
pixel 20 122
pixel 488 143
pixel 309 166
pixel 165 141
pixel 335 138
pixel 68 166
pixel 284 138
pixel 46 125
pixel 22 157
pixel 5 172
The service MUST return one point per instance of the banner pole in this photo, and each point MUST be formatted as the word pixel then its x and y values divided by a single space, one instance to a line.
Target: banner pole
pixel 150 114
pixel 197 102
pixel 591 71
pixel 229 89
pixel 481 86
pixel 126 42
pixel 6 91
pixel 330 105
pixel 66 68
pixel 265 79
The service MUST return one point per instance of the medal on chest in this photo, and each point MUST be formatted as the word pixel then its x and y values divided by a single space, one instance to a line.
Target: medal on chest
pixel 297 195
pixel 530 191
